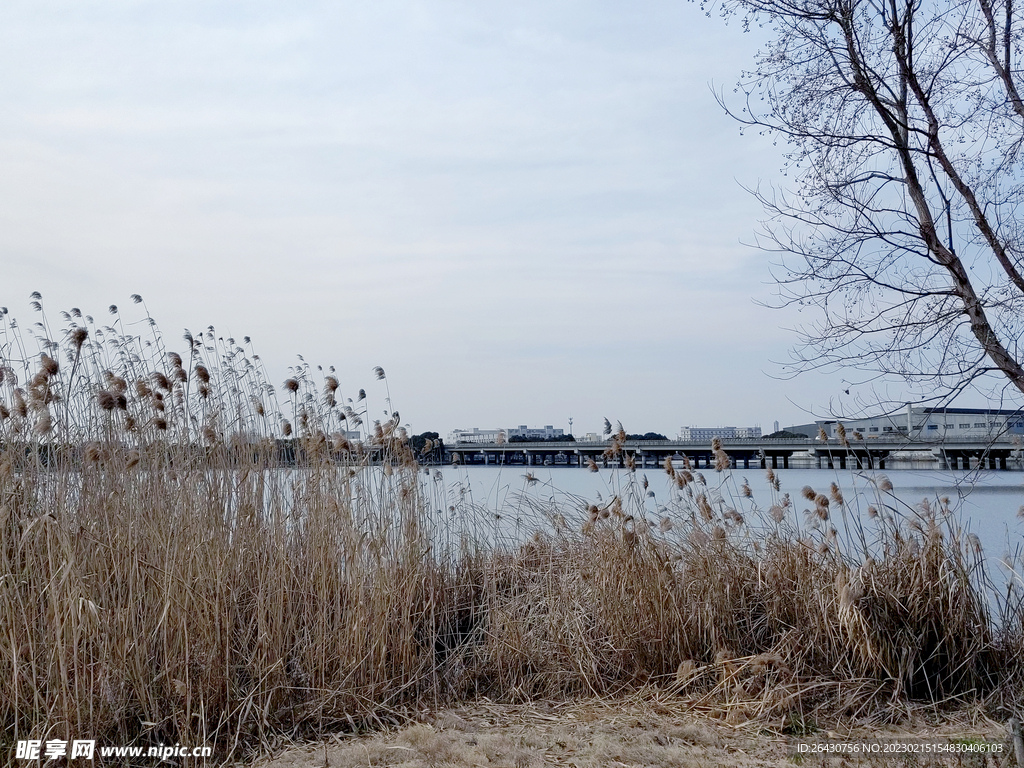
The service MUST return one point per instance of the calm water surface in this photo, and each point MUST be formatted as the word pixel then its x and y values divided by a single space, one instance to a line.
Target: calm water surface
pixel 985 503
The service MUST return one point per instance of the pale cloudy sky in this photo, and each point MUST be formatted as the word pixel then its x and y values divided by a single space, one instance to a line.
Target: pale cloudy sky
pixel 522 211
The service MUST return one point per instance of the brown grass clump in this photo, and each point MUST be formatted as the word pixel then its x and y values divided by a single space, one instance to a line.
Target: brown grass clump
pixel 182 560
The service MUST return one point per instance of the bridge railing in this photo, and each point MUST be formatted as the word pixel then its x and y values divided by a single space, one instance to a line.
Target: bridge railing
pixel 809 442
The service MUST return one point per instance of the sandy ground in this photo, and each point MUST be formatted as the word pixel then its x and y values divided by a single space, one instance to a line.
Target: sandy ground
pixel 642 733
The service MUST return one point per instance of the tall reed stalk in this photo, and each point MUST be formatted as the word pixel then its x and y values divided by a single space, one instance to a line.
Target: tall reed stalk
pixel 186 559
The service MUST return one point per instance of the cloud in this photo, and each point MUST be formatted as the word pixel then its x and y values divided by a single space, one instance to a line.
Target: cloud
pixel 532 201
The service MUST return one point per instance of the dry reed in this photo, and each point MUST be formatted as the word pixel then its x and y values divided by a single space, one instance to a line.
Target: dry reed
pixel 184 559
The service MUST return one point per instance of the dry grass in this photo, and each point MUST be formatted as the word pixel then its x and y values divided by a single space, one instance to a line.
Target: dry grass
pixel 583 734
pixel 647 729
pixel 185 558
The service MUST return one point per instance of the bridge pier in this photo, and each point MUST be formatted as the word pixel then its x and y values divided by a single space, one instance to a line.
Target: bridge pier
pixel 830 459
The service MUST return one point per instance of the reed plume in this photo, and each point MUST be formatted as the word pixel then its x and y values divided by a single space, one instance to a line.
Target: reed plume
pixel 177 557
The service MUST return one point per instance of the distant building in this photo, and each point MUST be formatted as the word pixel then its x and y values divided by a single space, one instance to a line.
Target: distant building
pixel 546 433
pixel 477 435
pixel 474 435
pixel 925 424
pixel 709 433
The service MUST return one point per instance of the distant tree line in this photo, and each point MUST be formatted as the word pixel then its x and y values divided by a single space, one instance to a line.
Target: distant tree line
pixel 784 434
pixel 647 436
pixel 419 442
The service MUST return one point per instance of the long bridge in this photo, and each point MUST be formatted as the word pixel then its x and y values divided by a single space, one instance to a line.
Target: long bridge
pixel 871 453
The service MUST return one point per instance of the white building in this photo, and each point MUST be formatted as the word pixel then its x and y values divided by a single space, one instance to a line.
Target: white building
pixel 474 435
pixel 477 435
pixel 709 433
pixel 546 433
pixel 933 423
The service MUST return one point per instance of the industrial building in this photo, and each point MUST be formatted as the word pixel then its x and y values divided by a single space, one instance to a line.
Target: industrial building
pixel 921 423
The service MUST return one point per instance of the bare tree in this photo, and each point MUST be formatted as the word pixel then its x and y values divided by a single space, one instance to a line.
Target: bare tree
pixel 904 121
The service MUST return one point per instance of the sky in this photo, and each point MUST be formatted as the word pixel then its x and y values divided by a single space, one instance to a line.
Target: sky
pixel 523 212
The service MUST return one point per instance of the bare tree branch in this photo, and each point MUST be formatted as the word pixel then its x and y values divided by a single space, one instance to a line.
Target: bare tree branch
pixel 904 233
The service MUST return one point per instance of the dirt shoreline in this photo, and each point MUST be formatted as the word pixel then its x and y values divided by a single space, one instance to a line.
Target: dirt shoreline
pixel 648 732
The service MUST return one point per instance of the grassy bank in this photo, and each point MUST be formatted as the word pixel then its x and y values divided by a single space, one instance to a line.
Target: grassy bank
pixel 162 580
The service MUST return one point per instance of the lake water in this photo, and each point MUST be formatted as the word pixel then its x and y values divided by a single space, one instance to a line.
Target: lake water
pixel 509 507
